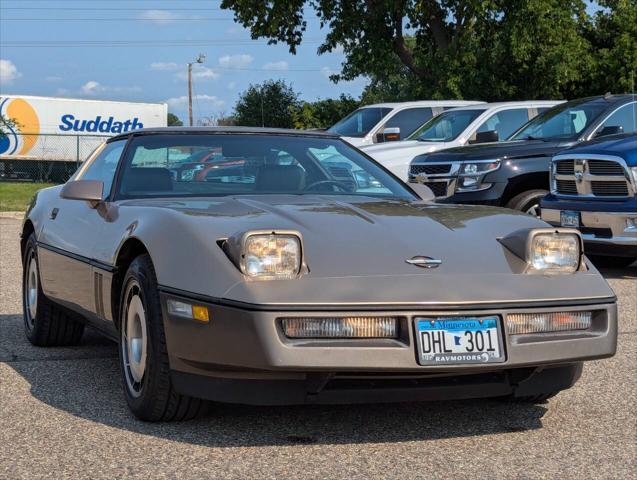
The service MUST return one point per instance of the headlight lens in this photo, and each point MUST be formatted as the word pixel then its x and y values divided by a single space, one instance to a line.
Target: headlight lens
pixel 271 256
pixel 555 253
pixel 472 174
pixel 479 167
pixel 634 172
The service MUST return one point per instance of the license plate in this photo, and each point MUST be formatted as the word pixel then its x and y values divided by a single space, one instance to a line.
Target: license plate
pixel 569 219
pixel 457 340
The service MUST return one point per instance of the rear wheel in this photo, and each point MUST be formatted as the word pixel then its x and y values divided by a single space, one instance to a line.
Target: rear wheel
pixel 528 202
pixel 45 323
pixel 142 350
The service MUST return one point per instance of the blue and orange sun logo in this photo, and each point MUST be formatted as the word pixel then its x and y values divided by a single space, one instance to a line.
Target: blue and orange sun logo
pixel 18 139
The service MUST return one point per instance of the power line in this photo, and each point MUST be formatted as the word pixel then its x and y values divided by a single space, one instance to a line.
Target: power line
pixel 133 43
pixel 107 9
pixel 139 19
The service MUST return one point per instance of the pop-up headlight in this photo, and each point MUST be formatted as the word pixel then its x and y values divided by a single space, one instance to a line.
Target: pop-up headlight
pixel 266 255
pixel 547 250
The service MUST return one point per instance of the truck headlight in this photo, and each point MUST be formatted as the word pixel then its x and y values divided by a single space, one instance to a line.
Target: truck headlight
pixel 546 250
pixel 271 256
pixel 475 168
pixel 555 253
pixel 633 170
pixel 471 174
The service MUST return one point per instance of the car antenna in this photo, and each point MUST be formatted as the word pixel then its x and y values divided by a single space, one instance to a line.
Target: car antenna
pixel 607 95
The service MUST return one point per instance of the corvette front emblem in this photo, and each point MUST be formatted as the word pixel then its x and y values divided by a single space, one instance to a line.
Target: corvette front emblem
pixel 424 262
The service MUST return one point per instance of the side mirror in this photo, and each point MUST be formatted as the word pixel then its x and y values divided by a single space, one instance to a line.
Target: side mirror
pixel 88 190
pixel 610 130
pixel 391 134
pixel 487 137
pixel 423 191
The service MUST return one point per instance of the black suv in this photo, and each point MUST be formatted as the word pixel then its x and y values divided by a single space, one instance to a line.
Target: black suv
pixel 515 173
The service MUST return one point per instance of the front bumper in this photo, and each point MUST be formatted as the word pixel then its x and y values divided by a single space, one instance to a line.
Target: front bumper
pixel 242 348
pixel 602 232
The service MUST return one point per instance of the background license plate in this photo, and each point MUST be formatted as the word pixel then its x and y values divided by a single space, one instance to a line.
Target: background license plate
pixel 458 340
pixel 569 219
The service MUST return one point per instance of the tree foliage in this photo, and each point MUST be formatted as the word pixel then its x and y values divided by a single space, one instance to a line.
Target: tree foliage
pixel 323 113
pixel 269 104
pixel 487 49
pixel 172 120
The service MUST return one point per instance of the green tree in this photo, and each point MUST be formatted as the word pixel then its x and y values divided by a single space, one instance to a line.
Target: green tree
pixel 487 49
pixel 613 35
pixel 172 120
pixel 269 104
pixel 323 113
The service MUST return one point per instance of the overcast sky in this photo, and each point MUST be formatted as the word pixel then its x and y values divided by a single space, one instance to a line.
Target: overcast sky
pixel 138 50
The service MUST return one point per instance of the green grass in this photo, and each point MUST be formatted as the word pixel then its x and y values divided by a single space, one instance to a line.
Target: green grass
pixel 15 197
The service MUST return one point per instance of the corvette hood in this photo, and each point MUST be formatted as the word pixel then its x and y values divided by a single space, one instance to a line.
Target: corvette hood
pixel 356 250
pixel 501 150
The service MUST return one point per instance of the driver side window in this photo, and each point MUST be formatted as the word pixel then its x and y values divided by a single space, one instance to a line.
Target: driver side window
pixel 625 117
pixel 103 166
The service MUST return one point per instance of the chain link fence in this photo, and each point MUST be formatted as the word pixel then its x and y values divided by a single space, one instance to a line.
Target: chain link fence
pixel 50 158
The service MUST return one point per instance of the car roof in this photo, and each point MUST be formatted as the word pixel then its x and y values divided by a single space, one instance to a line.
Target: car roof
pixel 423 103
pixel 609 100
pixel 521 103
pixel 226 130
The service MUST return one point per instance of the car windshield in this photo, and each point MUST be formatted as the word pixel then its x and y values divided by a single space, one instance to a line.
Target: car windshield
pixel 565 121
pixel 447 126
pixel 359 122
pixel 187 165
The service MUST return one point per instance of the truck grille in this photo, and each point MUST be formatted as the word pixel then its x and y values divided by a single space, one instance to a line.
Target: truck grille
pixel 430 169
pixel 439 188
pixel 565 167
pixel 609 189
pixel 591 177
pixel 566 187
pixel 604 167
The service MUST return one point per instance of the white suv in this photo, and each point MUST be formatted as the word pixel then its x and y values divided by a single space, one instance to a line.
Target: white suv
pixel 487 122
pixel 390 121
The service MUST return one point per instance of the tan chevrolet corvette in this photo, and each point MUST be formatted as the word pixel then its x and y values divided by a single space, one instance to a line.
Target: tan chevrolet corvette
pixel 279 267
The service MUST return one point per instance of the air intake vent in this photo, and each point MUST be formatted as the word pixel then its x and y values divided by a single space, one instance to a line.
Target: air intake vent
pixel 430 169
pixel 566 187
pixel 604 167
pixel 609 189
pixel 565 167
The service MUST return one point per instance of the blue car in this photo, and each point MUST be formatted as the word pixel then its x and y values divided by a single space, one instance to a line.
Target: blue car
pixel 594 188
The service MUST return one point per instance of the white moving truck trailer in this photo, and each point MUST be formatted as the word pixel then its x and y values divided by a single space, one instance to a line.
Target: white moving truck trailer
pixel 35 122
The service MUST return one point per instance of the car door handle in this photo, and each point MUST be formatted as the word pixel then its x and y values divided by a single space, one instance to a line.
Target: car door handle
pixel 54 213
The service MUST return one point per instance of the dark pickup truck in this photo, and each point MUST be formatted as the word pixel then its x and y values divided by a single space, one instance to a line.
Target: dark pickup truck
pixel 515 173
pixel 594 188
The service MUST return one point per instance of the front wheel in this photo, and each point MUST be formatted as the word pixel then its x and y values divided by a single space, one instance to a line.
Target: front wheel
pixel 143 355
pixel 528 202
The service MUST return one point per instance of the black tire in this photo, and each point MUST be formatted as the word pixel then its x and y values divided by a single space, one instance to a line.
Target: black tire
pixel 46 324
pixel 611 262
pixel 150 395
pixel 526 201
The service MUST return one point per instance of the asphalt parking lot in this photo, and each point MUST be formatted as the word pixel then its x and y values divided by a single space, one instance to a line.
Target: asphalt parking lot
pixel 63 415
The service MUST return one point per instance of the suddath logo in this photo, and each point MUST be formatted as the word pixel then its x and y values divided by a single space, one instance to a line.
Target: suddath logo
pixel 21 136
pixel 98 124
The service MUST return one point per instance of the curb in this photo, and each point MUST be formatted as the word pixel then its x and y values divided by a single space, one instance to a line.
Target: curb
pixel 12 215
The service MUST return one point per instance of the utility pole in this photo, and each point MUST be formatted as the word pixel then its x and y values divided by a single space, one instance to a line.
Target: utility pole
pixel 200 59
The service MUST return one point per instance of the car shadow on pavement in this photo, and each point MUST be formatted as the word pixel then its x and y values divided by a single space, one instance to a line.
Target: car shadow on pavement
pixel 84 381
pixel 619 273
